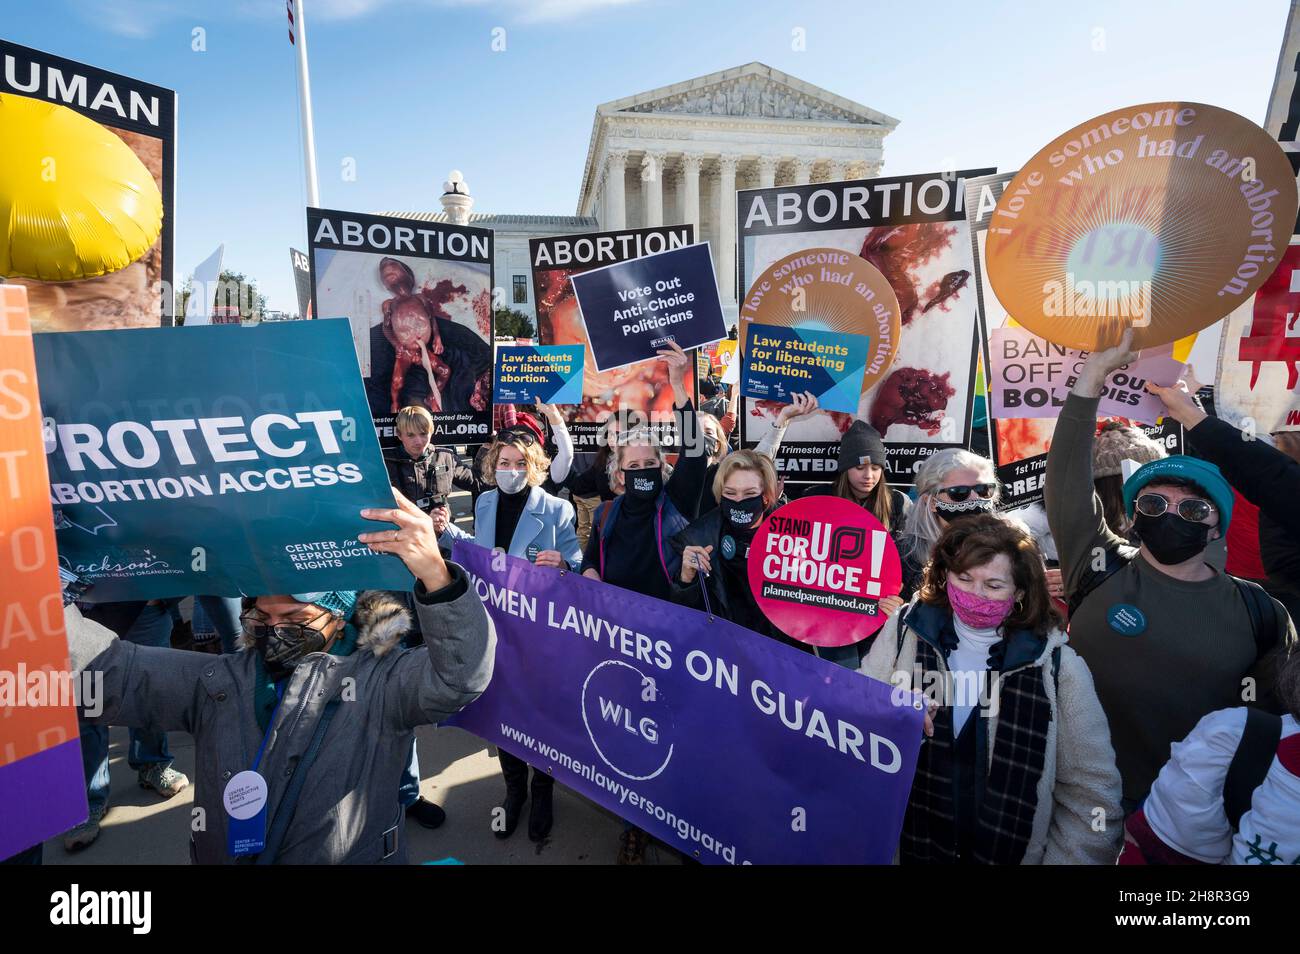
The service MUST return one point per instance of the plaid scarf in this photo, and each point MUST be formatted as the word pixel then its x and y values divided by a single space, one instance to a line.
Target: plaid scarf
pixel 1004 816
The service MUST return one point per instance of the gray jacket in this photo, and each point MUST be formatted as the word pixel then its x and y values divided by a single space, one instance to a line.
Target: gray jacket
pixel 348 812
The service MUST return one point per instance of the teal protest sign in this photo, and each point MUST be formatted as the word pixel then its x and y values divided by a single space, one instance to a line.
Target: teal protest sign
pixel 218 460
pixel 525 374
pixel 781 361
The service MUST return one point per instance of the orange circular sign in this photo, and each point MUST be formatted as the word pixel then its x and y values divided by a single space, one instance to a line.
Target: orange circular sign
pixel 828 289
pixel 1164 216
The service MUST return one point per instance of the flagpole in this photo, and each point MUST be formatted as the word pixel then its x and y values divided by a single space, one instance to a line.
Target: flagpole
pixel 299 27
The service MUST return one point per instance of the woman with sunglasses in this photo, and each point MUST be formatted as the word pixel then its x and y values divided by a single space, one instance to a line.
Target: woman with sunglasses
pixel 950 485
pixel 525 521
pixel 315 716
pixel 1017 766
pixel 1168 636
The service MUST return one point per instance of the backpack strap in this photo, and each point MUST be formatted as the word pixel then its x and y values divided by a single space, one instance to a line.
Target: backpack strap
pixel 289 801
pixel 599 529
pixel 1265 626
pixel 1113 560
pixel 1250 763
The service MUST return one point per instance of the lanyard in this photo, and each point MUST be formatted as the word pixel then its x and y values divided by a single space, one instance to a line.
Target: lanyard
pixel 279 697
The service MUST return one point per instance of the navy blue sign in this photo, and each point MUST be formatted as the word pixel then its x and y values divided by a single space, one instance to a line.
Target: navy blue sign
pixel 731 747
pixel 634 308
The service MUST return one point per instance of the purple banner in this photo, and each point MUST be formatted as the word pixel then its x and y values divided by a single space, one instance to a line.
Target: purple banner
pixel 726 745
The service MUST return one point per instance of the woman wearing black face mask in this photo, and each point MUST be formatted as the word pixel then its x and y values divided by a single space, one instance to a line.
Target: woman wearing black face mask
pixel 630 537
pixel 316 715
pixel 715 548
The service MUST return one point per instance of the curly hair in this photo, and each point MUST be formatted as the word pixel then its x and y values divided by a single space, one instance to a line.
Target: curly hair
pixel 539 465
pixel 974 541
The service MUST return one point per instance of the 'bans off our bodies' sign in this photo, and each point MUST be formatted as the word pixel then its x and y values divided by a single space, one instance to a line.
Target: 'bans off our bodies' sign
pixel 819 567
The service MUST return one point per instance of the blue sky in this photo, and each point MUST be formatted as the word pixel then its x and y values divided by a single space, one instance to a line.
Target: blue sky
pixel 409 89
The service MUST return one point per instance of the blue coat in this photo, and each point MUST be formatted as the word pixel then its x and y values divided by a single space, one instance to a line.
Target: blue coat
pixel 547 523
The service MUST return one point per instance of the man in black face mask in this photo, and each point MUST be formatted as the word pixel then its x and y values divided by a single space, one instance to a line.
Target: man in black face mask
pixel 1168 637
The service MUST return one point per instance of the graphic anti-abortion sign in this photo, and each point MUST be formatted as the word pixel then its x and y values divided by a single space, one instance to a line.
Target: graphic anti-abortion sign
pixel 525 374
pixel 702 733
pixel 819 567
pixel 1024 372
pixel 1162 216
pixel 42 784
pixel 418 296
pixel 640 388
pixel 783 361
pixel 167 482
pixel 913 230
pixel 633 309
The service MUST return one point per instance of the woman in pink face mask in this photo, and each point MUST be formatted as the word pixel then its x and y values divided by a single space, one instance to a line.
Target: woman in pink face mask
pixel 1017 765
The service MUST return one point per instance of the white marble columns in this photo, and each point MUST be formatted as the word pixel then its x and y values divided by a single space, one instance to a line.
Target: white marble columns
pixel 691 191
pixel 652 188
pixel 725 254
pixel 616 204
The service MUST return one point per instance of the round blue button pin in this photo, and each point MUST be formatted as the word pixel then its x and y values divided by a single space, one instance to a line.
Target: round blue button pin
pixel 1126 619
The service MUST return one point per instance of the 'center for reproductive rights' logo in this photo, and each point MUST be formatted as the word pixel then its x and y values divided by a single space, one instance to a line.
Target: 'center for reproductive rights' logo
pixel 627 720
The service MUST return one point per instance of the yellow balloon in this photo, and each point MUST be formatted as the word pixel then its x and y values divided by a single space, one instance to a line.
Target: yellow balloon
pixel 75 201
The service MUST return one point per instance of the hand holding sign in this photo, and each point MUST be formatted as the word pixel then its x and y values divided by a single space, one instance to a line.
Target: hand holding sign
pixel 414 542
pixel 1099 364
pixel 677 361
pixel 693 559
pixel 1177 399
pixel 800 406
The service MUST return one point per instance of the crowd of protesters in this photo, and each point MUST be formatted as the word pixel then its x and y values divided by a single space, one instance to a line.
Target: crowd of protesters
pixel 1107 693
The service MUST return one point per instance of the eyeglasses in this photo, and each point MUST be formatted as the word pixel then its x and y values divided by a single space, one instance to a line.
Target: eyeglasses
pixel 256 624
pixel 1191 509
pixel 962 492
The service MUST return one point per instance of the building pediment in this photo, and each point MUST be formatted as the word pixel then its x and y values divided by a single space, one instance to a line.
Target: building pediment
pixel 751 91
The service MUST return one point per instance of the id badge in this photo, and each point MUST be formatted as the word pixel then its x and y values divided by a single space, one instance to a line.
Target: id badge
pixel 244 800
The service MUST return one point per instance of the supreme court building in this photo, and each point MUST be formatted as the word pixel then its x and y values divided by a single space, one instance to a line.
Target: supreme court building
pixel 677 155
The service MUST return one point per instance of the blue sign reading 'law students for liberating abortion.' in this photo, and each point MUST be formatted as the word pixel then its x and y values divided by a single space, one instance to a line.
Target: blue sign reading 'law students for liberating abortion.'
pixel 525 374
pixel 779 361
pixel 730 747
pixel 222 460
pixel 633 309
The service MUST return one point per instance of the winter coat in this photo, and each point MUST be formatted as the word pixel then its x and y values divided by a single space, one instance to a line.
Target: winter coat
pixel 1079 775
pixel 348 812
pixel 547 523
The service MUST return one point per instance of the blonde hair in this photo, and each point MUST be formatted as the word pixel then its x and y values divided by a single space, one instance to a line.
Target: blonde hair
pixel 539 465
pixel 747 460
pixel 626 439
pixel 414 419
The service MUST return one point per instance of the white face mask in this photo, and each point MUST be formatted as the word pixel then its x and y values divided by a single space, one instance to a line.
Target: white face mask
pixel 511 481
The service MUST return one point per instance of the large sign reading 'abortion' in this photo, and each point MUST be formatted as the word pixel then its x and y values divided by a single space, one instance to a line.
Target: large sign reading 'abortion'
pixel 731 747
pixel 220 460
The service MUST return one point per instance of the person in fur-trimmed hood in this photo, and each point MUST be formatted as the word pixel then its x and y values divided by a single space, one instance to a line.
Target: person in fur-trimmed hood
pixel 1017 766
pixel 321 703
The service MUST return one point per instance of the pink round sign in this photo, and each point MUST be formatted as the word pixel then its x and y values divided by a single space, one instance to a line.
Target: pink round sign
pixel 818 568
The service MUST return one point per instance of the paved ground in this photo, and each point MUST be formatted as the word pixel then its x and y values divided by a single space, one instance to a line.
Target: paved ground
pixel 457 771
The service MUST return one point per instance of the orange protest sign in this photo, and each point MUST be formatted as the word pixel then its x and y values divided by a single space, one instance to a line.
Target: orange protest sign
pixel 1163 216
pixel 41 783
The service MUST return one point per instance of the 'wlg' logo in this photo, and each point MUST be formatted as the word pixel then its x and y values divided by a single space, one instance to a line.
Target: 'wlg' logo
pixel 627 720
